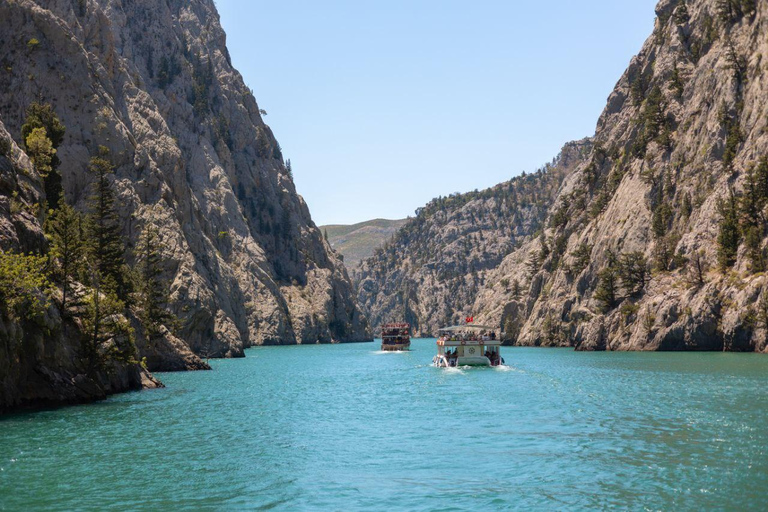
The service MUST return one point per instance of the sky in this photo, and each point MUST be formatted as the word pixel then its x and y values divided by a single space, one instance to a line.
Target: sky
pixel 383 105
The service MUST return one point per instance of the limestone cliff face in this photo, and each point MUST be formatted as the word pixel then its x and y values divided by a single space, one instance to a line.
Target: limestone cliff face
pixel 685 122
pixel 39 359
pixel 429 274
pixel 670 159
pixel 152 82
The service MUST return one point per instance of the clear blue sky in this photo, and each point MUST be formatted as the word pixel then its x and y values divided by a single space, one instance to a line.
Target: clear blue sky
pixel 383 105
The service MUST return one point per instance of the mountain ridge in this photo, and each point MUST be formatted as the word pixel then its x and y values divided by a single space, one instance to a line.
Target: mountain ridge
pixel 356 242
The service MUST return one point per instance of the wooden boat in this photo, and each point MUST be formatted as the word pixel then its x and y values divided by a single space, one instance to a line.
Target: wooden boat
pixel 468 345
pixel 395 337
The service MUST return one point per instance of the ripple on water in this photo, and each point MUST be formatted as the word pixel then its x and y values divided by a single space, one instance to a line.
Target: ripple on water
pixel 335 427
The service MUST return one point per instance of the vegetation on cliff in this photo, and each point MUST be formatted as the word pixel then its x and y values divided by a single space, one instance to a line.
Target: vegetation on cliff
pixel 430 271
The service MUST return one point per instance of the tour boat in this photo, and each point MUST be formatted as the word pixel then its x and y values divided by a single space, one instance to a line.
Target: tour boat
pixel 395 337
pixel 468 345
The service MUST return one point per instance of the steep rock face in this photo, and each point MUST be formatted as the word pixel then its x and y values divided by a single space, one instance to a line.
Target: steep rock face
pixel 152 82
pixel 429 274
pixel 684 124
pixel 39 359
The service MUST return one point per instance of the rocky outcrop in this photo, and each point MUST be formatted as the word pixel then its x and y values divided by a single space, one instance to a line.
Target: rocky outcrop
pixel 39 359
pixel 153 83
pixel 429 274
pixel 683 127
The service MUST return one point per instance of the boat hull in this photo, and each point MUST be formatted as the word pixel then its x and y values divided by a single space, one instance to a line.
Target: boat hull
pixel 444 362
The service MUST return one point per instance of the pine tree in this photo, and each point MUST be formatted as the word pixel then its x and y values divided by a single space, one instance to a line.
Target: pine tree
pixel 105 240
pixel 752 201
pixel 729 236
pixel 607 286
pixel 761 177
pixel 633 272
pixel 107 335
pixel 697 268
pixel 664 252
pixel 64 229
pixel 753 240
pixel 42 116
pixel 534 263
pixel 40 151
pixel 581 258
pixel 662 215
pixel 153 289
pixel 752 204
pixel 515 289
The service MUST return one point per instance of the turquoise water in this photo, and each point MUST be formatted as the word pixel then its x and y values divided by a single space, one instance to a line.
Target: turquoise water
pixel 346 427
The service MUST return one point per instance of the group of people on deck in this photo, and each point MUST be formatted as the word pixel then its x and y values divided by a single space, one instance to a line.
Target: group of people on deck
pixel 471 336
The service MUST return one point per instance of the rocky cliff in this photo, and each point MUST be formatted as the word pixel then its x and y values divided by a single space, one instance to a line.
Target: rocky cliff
pixel 662 230
pixel 657 239
pixel 429 274
pixel 39 362
pixel 152 82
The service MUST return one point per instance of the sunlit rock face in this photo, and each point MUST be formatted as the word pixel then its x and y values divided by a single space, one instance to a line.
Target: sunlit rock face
pixel 681 129
pixel 153 83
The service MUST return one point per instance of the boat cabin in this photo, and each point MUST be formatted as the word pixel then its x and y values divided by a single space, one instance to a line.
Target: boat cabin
pixel 465 345
pixel 395 337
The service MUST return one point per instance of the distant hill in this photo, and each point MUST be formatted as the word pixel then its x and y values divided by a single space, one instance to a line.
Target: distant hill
pixel 357 242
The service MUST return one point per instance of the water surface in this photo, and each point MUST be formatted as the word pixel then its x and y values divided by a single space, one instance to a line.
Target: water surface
pixel 347 427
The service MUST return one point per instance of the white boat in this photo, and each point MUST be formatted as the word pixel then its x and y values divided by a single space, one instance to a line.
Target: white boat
pixel 468 345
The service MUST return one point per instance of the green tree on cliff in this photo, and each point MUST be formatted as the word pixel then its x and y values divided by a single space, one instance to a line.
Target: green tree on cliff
pixel 23 278
pixel 42 123
pixel 64 229
pixel 40 150
pixel 607 287
pixel 729 235
pixel 633 271
pixel 105 241
pixel 752 204
pixel 107 335
pixel 153 289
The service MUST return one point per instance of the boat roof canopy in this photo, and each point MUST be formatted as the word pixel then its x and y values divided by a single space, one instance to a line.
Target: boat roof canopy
pixel 466 327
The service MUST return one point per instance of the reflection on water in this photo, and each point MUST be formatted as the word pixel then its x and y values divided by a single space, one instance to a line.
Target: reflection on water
pixel 347 427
